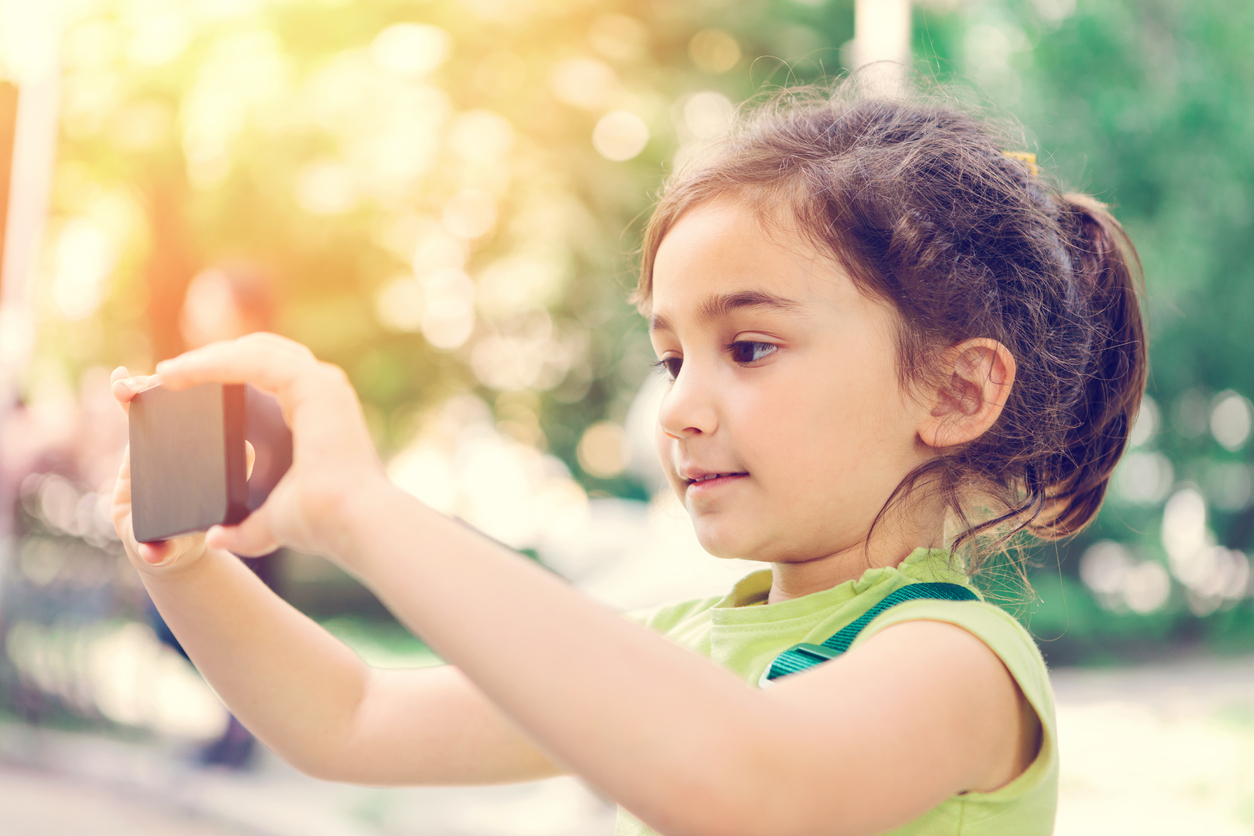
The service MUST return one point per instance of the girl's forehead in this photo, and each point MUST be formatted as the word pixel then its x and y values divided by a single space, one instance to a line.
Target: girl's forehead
pixel 726 247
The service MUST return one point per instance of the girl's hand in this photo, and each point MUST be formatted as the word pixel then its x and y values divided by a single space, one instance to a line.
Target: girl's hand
pixel 335 468
pixel 165 556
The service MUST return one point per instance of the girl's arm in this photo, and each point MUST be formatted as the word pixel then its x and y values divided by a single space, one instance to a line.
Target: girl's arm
pixel 922 711
pixel 680 742
pixel 303 692
pixel 318 706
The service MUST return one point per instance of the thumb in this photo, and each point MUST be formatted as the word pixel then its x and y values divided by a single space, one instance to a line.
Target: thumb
pixel 251 538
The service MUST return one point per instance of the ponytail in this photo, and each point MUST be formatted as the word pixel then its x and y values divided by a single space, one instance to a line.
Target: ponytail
pixel 1107 276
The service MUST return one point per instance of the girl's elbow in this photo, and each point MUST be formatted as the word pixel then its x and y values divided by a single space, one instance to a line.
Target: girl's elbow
pixel 316 762
pixel 758 800
pixel 311 765
pixel 744 820
pixel 724 805
pixel 727 820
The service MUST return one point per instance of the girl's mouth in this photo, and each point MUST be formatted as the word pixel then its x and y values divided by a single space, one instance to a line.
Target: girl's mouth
pixel 711 481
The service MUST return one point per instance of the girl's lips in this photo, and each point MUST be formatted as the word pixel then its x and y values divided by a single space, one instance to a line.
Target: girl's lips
pixel 705 485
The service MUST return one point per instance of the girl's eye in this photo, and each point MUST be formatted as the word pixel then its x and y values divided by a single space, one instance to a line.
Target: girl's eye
pixel 669 366
pixel 745 352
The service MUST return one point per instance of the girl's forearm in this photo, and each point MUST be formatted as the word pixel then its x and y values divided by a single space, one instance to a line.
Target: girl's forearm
pixel 318 706
pixel 623 707
pixel 289 681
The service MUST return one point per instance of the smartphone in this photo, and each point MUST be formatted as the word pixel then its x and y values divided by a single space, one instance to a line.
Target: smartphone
pixel 188 467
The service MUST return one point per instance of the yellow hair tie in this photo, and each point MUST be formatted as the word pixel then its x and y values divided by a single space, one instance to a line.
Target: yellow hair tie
pixel 1027 158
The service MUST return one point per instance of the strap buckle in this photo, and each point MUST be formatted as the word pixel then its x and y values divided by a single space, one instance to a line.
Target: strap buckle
pixel 817 651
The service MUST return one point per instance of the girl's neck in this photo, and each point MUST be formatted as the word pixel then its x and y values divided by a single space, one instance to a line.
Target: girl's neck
pixel 887 548
pixel 796 580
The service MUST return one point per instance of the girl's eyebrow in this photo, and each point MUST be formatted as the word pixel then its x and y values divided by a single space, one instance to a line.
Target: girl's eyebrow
pixel 723 304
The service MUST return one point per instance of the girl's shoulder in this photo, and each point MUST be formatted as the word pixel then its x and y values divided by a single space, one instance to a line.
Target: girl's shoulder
pixel 1002 632
pixel 1027 804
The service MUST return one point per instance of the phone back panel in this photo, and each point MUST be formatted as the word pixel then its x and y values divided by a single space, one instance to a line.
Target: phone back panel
pixel 187 460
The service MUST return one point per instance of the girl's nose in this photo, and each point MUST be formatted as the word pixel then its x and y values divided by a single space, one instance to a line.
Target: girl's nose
pixel 688 407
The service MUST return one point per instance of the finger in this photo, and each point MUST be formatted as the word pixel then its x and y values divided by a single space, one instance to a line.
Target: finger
pixel 122 485
pixel 124 388
pixel 285 369
pixel 172 550
pixel 156 553
pixel 251 538
pixel 250 458
pixel 269 362
pixel 120 511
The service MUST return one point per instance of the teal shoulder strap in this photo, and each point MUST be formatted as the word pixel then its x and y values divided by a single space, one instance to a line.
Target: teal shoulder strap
pixel 806 655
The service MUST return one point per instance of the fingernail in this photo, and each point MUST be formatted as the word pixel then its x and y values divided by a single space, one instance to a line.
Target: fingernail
pixel 150 554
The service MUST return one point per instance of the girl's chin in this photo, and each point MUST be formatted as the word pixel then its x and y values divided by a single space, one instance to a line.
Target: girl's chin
pixel 726 545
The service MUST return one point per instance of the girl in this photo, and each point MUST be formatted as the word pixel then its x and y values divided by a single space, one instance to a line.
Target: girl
pixel 885 339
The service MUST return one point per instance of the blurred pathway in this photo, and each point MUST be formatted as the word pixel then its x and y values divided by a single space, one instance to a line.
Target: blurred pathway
pixel 1161 749
pixel 52 782
pixel 1164 749
pixel 37 803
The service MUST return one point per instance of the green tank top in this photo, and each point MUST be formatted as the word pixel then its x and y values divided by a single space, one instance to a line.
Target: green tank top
pixel 743 634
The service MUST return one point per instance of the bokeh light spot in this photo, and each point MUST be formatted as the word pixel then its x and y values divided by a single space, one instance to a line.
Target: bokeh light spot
pixel 426 471
pixel 516 284
pixel 1229 485
pixel 714 50
pixel 439 250
pixel 399 304
pixel 1190 413
pixel 481 136
pixel 1104 566
pixel 448 311
pixel 582 82
pixel 501 73
pixel 470 214
pixel 618 37
pixel 707 114
pixel 1143 477
pixel 411 49
pixel 1054 11
pixel 85 256
pixel 602 450
pixel 620 135
pixel 1230 420
pixel 1147 587
pixel 507 362
pixel 1147 421
pixel 326 188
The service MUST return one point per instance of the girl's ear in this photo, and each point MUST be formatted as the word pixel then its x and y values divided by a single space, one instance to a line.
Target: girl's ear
pixel 975 382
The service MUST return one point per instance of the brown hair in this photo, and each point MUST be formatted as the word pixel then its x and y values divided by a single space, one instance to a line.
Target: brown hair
pixel 920 204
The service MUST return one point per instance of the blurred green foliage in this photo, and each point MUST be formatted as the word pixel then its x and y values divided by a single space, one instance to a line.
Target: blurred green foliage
pixel 284 133
pixel 1145 106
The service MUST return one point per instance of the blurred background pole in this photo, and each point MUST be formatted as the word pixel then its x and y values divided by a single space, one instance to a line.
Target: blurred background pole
pixel 29 34
pixel 881 33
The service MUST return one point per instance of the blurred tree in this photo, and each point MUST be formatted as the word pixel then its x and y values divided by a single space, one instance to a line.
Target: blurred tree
pixel 1145 106
pixel 451 193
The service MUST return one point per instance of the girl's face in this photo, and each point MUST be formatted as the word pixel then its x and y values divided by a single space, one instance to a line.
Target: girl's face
pixel 785 429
